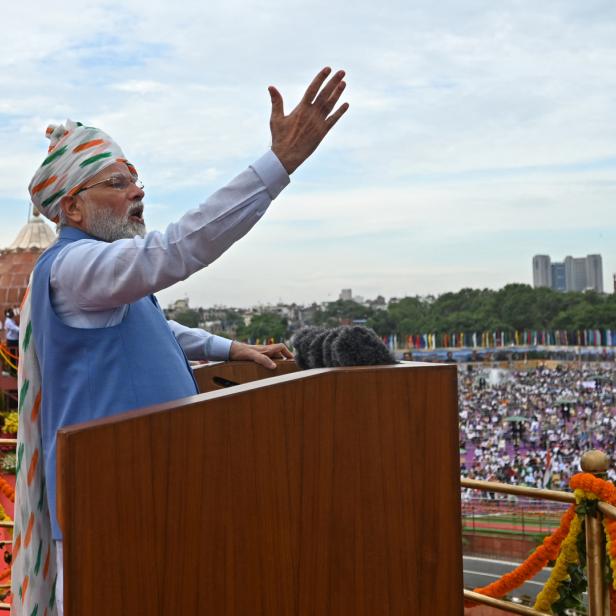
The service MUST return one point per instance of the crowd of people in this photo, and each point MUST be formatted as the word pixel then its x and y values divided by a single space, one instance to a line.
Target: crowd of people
pixel 531 427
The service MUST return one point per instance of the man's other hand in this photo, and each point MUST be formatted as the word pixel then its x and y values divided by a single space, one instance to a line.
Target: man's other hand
pixel 261 354
pixel 296 136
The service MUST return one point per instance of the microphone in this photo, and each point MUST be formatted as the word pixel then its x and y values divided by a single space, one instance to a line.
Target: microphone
pixel 354 345
pixel 301 343
pixel 360 346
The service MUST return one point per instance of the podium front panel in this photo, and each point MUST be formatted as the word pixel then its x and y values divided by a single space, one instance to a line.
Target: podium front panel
pixel 330 491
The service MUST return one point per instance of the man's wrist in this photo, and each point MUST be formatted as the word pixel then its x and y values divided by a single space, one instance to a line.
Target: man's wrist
pixel 271 172
pixel 287 160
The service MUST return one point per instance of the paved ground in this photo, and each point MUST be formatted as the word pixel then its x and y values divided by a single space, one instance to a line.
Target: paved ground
pixel 483 571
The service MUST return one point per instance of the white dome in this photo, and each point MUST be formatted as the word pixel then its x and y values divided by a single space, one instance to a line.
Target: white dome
pixel 35 234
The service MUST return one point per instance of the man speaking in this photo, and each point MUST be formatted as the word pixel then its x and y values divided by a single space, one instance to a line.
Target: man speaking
pixel 94 341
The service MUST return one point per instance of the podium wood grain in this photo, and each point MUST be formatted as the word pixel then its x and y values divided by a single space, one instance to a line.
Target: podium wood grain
pixel 330 491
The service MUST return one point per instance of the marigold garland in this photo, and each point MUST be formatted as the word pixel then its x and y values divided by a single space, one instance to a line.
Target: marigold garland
pixel 6 351
pixel 568 556
pixel 561 546
pixel 606 492
pixel 546 552
pixel 4 517
pixel 5 357
pixel 10 423
pixel 609 526
pixel 594 486
pixel 7 489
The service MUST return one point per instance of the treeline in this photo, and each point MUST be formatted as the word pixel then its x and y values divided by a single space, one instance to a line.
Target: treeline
pixel 514 308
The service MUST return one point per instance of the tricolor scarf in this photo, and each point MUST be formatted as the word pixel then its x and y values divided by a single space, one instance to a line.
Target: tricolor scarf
pixel 76 154
pixel 33 575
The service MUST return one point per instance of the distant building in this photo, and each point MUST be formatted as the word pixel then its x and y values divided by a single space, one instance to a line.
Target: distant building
pixel 346 295
pixel 594 272
pixel 17 260
pixel 377 304
pixel 542 271
pixel 614 278
pixel 559 278
pixel 180 305
pixel 573 274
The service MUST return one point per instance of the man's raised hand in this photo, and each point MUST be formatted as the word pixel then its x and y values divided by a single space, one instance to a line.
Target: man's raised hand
pixel 296 136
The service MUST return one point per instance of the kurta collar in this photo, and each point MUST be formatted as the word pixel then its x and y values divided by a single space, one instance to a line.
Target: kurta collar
pixel 74 234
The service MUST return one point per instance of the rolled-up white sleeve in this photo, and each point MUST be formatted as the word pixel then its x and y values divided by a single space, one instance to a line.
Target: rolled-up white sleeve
pixel 92 275
pixel 199 344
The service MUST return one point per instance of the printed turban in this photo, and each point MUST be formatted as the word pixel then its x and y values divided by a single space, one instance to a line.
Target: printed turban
pixel 76 153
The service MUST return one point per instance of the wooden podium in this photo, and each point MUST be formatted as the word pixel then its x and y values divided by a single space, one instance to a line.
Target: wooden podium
pixel 332 491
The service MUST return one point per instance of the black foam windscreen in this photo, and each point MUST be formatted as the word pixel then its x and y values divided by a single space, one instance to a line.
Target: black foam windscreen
pixel 301 342
pixel 355 345
pixel 360 346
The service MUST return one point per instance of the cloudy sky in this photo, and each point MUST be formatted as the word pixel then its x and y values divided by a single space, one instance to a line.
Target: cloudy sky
pixel 479 133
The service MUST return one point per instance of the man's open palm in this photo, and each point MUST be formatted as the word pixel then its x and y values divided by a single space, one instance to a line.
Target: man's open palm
pixel 296 136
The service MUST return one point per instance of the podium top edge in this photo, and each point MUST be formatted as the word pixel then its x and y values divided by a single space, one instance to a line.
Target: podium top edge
pixel 243 388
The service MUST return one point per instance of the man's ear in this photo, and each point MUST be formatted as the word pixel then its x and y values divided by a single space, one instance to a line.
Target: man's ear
pixel 72 207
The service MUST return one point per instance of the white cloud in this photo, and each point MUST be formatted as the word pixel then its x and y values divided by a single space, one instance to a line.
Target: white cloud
pixel 466 119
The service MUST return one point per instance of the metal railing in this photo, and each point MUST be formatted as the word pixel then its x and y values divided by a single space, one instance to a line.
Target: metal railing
pixel 598 600
pixel 592 462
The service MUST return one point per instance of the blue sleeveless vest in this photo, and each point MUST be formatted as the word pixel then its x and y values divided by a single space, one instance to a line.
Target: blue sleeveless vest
pixel 92 373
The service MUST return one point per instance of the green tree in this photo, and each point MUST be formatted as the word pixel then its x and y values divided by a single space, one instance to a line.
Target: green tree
pixel 340 311
pixel 515 307
pixel 189 318
pixel 264 326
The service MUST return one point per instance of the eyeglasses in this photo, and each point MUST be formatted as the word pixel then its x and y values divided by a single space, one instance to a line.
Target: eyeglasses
pixel 117 182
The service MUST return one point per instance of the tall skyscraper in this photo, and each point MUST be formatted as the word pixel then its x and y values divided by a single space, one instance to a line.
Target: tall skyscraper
pixel 573 274
pixel 594 272
pixel 559 279
pixel 542 271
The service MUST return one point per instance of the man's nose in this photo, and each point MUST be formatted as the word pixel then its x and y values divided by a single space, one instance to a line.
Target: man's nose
pixel 136 193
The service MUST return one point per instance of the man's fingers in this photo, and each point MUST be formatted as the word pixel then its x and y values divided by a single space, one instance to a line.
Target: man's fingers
pixel 336 115
pixel 285 352
pixel 316 84
pixel 329 89
pixel 330 103
pixel 264 361
pixel 280 350
pixel 277 103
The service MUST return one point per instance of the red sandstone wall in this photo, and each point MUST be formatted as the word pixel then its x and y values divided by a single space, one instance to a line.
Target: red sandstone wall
pixel 504 548
pixel 15 269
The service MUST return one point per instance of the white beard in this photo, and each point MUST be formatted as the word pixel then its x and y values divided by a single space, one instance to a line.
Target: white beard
pixel 107 226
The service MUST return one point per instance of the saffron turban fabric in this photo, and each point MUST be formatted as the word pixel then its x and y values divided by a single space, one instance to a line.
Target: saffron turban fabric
pixel 76 153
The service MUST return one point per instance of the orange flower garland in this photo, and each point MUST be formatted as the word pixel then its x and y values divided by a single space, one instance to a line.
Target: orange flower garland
pixel 568 556
pixel 606 492
pixel 6 351
pixel 532 565
pixel 603 490
pixel 594 487
pixel 7 489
